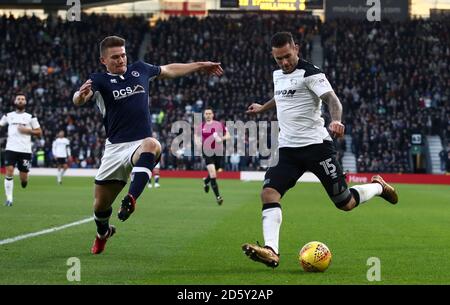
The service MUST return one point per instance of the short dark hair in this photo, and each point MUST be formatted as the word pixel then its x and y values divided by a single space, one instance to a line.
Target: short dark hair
pixel 19 94
pixel 280 39
pixel 208 108
pixel 110 42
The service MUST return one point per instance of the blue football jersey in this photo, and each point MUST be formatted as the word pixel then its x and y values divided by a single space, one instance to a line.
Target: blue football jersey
pixel 123 101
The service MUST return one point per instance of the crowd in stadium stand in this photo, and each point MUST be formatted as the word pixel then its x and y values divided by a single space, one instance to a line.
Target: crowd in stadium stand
pixel 48 60
pixel 393 79
pixel 248 71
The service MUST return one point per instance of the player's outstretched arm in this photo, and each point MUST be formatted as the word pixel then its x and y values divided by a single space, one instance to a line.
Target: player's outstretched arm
pixel 83 94
pixel 336 128
pixel 177 70
pixel 256 108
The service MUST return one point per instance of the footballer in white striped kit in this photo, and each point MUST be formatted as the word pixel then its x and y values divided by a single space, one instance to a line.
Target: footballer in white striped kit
pixel 305 144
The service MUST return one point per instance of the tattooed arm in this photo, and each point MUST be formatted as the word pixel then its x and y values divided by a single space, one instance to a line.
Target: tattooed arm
pixel 334 105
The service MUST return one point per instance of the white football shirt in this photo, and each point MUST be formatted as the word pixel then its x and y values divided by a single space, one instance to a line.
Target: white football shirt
pixel 18 141
pixel 299 106
pixel 61 148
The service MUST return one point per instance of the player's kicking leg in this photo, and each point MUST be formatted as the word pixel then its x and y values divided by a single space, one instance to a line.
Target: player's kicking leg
pixel 388 192
pixel 144 159
pixel 323 158
pixel 359 194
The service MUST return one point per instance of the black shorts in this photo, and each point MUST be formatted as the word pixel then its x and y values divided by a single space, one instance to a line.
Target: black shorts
pixel 19 159
pixel 216 160
pixel 320 159
pixel 61 161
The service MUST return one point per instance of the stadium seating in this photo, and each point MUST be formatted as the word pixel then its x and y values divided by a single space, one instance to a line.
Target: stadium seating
pixel 393 81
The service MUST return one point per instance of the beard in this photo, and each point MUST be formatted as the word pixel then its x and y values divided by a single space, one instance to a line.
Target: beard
pixel 20 107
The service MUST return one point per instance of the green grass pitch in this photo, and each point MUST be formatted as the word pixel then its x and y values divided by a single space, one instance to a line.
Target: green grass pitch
pixel 179 235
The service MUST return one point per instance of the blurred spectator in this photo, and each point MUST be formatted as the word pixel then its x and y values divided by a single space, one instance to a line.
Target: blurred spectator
pixel 392 83
pixel 235 160
pixel 443 155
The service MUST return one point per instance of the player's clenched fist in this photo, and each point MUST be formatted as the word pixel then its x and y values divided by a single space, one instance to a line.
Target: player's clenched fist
pixel 254 108
pixel 85 88
pixel 337 129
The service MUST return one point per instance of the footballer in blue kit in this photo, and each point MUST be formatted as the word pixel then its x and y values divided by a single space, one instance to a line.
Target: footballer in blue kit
pixel 122 96
pixel 123 101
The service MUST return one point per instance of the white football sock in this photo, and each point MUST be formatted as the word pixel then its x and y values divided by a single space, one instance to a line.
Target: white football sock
pixel 9 186
pixel 271 221
pixel 368 191
pixel 58 175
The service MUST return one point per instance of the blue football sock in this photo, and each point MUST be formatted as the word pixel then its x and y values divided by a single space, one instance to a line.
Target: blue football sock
pixel 141 174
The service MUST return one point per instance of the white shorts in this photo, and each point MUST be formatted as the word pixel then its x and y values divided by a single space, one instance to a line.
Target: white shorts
pixel 116 162
pixel 157 165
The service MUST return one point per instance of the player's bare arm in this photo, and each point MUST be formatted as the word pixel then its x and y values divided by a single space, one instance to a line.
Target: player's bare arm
pixel 37 132
pixel 177 70
pixel 83 94
pixel 336 128
pixel 256 108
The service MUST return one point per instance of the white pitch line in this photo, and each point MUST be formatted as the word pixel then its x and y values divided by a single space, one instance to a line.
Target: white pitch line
pixel 46 231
